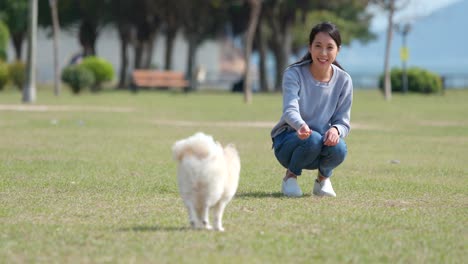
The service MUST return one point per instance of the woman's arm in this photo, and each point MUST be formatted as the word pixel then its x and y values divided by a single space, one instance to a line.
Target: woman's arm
pixel 291 89
pixel 341 118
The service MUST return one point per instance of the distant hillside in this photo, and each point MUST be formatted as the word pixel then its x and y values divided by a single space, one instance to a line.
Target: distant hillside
pixel 436 42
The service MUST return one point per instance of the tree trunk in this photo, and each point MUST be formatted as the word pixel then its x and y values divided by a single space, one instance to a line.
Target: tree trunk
pixel 123 80
pixel 138 55
pixel 170 38
pixel 56 31
pixel 262 50
pixel 387 81
pixel 255 9
pixel 17 40
pixel 281 56
pixel 124 34
pixel 192 48
pixel 149 47
pixel 87 36
pixel 281 46
pixel 29 90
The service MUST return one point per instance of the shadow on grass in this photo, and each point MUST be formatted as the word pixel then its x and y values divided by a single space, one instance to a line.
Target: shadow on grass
pixel 259 195
pixel 154 229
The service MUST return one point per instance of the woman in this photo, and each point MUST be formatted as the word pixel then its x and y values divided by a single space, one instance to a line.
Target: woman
pixel 317 99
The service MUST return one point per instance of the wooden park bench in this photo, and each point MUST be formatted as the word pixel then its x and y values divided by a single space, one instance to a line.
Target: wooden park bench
pixel 159 79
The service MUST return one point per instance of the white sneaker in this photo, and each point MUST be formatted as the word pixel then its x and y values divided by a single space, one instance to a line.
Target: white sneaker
pixel 323 188
pixel 291 188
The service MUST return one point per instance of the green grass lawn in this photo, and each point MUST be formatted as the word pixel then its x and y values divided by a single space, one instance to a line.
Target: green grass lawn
pixel 90 179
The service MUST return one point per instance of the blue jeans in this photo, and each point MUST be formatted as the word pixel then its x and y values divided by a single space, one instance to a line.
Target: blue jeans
pixel 310 154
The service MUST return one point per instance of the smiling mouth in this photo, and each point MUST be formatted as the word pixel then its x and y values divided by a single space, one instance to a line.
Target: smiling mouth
pixel 322 60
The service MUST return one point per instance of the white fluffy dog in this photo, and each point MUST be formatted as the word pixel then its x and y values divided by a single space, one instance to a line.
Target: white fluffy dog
pixel 208 176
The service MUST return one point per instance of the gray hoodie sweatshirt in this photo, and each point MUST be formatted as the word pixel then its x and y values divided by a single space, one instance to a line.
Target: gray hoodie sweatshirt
pixel 319 105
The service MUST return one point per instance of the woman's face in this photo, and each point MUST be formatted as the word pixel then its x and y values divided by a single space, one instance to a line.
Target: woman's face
pixel 323 50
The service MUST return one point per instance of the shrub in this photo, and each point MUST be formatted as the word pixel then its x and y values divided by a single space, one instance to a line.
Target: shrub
pixel 17 71
pixel 3 74
pixel 424 81
pixel 101 69
pixel 77 77
pixel 419 81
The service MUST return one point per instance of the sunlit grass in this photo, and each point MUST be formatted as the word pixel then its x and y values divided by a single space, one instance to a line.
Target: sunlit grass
pixel 90 179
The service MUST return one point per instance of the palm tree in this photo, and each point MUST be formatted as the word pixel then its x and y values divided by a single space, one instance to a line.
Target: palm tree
pixel 56 31
pixel 391 6
pixel 29 90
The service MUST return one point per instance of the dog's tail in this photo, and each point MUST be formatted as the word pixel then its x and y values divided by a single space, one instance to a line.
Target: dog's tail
pixel 198 145
pixel 232 158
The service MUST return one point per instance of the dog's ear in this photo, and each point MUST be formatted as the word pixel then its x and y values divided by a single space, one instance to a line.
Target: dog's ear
pixel 178 156
pixel 231 145
pixel 177 152
pixel 230 149
pixel 197 149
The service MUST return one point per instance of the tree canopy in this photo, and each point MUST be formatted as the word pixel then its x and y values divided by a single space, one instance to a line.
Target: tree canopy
pixel 282 26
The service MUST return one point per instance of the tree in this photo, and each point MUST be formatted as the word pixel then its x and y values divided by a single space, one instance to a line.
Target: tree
pixel 56 30
pixel 201 20
pixel 349 16
pixel 255 9
pixel 29 90
pixel 391 7
pixel 4 40
pixel 148 23
pixel 87 17
pixel 15 15
pixel 137 23
pixel 171 23
pixel 122 15
pixel 280 18
pixel 262 52
pixel 93 16
pixel 285 17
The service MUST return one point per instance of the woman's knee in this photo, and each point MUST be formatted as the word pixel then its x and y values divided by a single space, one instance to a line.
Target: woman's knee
pixel 314 141
pixel 340 150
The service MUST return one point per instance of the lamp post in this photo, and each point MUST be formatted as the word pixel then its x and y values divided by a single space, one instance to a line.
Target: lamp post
pixel 404 53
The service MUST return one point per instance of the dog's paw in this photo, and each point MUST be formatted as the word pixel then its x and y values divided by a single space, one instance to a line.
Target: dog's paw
pixel 219 228
pixel 197 225
pixel 207 225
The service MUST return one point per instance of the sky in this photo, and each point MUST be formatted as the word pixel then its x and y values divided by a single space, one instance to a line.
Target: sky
pixel 414 10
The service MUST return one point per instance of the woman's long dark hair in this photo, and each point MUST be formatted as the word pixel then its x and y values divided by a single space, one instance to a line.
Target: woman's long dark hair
pixel 325 27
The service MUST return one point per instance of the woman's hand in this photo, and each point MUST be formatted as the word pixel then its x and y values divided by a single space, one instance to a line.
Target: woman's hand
pixel 331 137
pixel 304 132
